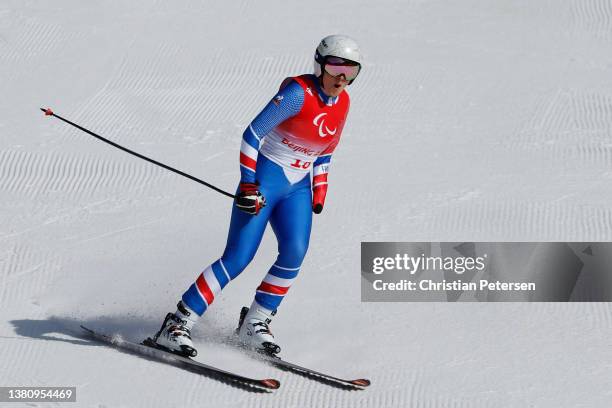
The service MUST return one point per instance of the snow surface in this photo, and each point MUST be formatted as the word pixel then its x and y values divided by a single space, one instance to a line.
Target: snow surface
pixel 471 121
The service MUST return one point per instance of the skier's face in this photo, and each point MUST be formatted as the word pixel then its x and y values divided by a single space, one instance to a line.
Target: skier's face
pixel 333 85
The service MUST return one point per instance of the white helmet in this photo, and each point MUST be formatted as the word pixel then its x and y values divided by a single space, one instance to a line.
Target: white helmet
pixel 337 45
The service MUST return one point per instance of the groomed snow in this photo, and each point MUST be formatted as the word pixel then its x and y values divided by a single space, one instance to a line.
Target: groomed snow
pixel 476 120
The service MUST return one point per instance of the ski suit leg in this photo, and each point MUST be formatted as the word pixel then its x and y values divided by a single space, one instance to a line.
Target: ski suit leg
pixel 291 222
pixel 244 236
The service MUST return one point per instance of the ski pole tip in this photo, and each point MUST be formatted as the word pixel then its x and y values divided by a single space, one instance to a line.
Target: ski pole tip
pixel 48 111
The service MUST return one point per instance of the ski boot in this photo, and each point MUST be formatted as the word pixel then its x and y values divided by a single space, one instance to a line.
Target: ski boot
pixel 175 332
pixel 254 331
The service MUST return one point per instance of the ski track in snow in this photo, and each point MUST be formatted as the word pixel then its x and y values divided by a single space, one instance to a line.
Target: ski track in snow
pixel 27 272
pixel 30 37
pixel 471 121
pixel 562 124
pixel 39 174
pixel 537 220
pixel 594 17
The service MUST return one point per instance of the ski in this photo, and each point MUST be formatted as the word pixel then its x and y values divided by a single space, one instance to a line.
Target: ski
pixel 276 361
pixel 149 349
pixel 355 384
pixel 358 383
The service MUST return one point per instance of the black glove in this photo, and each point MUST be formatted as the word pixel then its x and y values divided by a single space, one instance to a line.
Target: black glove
pixel 249 199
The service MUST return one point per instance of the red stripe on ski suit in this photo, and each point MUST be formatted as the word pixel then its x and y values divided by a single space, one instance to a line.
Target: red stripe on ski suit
pixel 273 289
pixel 204 289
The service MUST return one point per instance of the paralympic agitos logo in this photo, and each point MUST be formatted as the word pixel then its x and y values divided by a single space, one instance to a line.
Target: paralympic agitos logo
pixel 319 121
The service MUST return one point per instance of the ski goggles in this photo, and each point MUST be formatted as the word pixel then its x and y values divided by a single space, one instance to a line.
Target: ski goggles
pixel 336 66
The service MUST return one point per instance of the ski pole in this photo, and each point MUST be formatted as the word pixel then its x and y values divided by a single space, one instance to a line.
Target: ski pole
pixel 49 112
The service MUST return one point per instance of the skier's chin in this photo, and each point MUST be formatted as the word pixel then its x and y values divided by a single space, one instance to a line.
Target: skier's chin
pixel 335 90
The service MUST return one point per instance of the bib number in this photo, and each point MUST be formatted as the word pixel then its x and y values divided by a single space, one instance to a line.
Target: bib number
pixel 300 164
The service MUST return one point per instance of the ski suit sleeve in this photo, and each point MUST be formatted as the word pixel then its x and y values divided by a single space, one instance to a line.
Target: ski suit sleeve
pixel 287 103
pixel 320 170
pixel 319 181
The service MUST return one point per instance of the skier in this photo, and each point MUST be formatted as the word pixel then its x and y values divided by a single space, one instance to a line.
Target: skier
pixel 294 134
